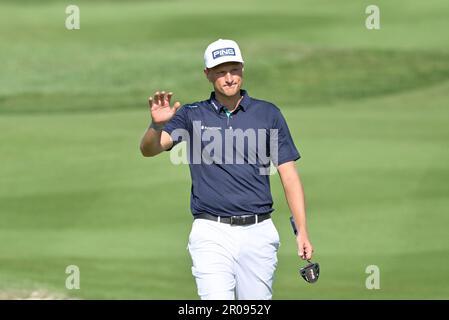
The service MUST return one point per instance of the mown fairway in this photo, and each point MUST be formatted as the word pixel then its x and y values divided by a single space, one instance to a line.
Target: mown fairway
pixel 369 112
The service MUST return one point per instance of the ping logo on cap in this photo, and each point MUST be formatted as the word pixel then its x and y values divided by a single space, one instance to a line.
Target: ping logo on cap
pixel 223 52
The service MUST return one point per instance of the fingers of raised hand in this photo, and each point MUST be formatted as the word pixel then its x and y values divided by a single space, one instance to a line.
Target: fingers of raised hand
pixel 168 97
pixel 162 99
pixel 176 105
pixel 154 100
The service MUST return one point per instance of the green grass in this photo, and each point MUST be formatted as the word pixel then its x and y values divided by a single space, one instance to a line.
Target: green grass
pixel 368 111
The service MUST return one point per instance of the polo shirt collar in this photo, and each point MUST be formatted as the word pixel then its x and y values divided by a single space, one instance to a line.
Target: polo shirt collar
pixel 244 103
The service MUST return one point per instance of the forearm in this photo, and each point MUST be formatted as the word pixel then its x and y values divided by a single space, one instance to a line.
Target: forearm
pixel 294 193
pixel 150 144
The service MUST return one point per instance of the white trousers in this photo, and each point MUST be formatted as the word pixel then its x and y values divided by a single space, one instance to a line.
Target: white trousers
pixel 233 262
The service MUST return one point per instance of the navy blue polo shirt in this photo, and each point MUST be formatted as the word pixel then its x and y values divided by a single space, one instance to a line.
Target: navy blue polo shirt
pixel 229 153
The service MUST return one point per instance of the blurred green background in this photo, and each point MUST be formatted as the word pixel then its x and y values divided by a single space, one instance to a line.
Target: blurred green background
pixel 368 110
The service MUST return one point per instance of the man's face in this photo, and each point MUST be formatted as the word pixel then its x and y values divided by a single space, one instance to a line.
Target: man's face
pixel 227 78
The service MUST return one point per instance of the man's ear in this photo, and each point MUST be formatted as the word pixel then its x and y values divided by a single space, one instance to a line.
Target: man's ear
pixel 206 72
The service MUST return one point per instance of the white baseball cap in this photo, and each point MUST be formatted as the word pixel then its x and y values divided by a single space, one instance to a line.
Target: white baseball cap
pixel 222 51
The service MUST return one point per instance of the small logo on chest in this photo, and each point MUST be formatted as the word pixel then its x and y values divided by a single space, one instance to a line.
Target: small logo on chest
pixel 210 128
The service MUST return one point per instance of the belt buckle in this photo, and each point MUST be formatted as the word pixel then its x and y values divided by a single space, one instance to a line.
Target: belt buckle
pixel 233 220
pixel 241 220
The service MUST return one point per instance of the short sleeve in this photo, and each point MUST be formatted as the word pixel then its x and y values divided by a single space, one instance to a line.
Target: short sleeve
pixel 179 123
pixel 286 147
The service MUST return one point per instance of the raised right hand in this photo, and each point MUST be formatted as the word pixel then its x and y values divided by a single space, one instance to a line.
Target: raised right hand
pixel 160 109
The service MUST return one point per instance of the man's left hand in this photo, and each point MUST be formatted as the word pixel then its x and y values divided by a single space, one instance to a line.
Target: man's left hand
pixel 305 248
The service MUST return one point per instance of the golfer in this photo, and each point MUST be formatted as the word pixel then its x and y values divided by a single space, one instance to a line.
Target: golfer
pixel 231 138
